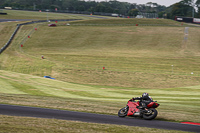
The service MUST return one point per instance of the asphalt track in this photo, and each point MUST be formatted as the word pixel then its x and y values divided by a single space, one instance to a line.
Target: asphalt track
pixel 94 118
pixel 12 20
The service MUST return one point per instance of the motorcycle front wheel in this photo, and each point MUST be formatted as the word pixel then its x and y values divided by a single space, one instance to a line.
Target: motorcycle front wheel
pixel 123 112
pixel 151 114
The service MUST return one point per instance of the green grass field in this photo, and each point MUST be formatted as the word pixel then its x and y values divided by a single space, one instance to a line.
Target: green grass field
pixel 137 59
pixel 133 56
pixel 40 92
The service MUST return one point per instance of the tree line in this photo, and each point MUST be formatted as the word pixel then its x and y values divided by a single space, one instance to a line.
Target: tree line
pixel 186 8
pixel 182 8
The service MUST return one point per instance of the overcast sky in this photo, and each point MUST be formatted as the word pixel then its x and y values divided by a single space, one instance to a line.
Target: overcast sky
pixel 160 2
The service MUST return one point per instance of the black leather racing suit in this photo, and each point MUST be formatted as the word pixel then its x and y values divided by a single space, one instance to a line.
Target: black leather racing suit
pixel 144 101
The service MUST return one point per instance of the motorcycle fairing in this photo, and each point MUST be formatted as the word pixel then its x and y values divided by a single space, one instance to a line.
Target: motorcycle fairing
pixel 132 108
pixel 152 105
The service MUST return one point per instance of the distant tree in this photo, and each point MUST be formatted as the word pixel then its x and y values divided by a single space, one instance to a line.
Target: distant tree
pixel 100 8
pixel 133 6
pixel 133 12
pixel 189 2
pixel 90 6
pixel 198 7
pixel 141 7
pixel 155 4
pixel 161 8
pixel 107 6
pixel 109 9
pixel 81 8
pixel 162 14
pixel 192 4
pixel 180 9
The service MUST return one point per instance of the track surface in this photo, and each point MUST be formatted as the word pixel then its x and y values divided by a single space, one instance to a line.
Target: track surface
pixel 12 20
pixel 94 118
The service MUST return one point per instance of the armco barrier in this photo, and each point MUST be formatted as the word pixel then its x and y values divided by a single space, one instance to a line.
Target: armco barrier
pixel 19 25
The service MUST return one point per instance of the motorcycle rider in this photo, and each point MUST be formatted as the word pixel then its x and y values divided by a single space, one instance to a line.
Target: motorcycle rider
pixel 144 100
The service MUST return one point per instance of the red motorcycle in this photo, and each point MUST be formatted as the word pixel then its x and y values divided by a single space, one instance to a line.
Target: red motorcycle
pixel 134 109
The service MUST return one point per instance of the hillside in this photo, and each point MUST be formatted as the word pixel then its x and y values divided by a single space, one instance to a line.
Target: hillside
pixel 134 56
pixel 137 59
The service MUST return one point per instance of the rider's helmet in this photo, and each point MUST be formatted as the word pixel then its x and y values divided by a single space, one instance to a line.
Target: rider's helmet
pixel 145 94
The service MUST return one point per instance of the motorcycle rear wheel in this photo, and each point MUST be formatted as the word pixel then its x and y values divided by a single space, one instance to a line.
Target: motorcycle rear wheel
pixel 123 112
pixel 151 114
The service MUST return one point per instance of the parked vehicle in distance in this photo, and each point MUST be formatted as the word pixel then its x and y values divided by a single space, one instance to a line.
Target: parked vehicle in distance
pixel 51 25
pixel 48 77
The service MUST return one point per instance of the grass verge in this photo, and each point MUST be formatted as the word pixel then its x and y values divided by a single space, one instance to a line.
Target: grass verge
pixel 12 124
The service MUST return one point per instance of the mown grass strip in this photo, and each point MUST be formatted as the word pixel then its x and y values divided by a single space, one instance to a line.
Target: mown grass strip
pixel 40 92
